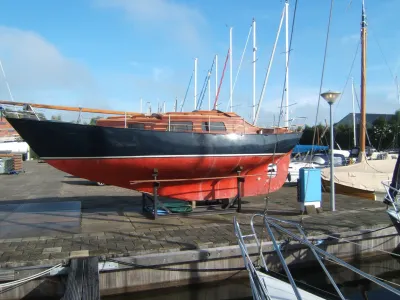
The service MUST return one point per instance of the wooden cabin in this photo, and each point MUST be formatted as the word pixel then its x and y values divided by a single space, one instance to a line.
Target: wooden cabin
pixel 214 121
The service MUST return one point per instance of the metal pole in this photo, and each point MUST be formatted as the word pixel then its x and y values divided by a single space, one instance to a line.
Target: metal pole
pixel 195 83
pixel 254 69
pixel 230 67
pixel 287 64
pixel 332 195
pixel 209 92
pixel 216 75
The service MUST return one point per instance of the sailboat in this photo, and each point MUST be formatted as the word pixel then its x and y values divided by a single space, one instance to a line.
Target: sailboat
pixel 194 156
pixel 363 178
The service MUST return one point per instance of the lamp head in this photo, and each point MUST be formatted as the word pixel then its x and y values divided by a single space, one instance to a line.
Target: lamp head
pixel 330 96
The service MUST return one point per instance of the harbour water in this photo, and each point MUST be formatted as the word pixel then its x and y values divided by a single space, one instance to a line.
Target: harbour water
pixel 237 287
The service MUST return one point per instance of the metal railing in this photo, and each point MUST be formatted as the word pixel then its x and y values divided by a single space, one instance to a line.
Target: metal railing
pixel 389 195
pixel 260 290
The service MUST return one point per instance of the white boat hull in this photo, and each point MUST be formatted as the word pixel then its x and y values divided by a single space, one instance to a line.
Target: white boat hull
pixel 278 289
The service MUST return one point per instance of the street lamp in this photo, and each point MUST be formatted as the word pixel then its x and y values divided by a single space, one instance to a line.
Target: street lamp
pixel 331 97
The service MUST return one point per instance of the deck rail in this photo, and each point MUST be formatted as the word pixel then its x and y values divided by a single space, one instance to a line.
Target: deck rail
pixel 274 223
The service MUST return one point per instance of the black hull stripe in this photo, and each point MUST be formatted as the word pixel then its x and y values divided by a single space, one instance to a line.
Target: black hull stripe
pixel 165 156
pixel 59 139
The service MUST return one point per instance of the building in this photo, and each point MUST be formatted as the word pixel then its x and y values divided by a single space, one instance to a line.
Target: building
pixel 7 132
pixel 371 118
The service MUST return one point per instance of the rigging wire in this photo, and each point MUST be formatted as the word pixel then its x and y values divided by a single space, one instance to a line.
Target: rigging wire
pixel 221 80
pixel 202 94
pixel 276 136
pixel 322 75
pixel 187 90
pixel 240 64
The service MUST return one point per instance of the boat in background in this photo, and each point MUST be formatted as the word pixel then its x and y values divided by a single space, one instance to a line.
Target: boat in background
pixel 363 178
pixel 194 156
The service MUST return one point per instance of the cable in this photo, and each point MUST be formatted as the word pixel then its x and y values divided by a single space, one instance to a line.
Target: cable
pixel 323 72
pixel 158 267
pixel 240 64
pixel 26 279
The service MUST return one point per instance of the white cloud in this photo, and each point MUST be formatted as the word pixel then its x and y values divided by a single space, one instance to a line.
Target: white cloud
pixel 173 20
pixel 350 39
pixel 37 71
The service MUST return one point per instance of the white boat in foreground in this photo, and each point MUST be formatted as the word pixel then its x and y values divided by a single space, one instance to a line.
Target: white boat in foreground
pixel 265 284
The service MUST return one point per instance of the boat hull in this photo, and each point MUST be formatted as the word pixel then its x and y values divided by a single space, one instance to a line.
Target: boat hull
pixel 190 166
pixel 348 190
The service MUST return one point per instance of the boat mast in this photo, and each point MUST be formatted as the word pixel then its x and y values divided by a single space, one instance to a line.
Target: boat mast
pixel 195 83
pixel 209 91
pixel 230 68
pixel 216 75
pixel 287 63
pixel 354 114
pixel 254 68
pixel 363 121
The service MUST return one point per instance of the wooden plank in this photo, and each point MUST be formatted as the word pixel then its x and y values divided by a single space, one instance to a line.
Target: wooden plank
pixel 83 279
pixel 91 285
pixel 74 281
pixel 70 108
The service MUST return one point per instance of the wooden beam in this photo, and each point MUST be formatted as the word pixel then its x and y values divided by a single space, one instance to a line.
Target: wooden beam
pixel 70 108
pixel 83 279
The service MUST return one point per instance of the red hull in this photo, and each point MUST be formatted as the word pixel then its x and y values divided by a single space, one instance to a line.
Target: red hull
pixel 122 171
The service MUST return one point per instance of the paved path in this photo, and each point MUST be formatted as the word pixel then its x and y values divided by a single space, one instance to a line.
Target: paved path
pixel 48 215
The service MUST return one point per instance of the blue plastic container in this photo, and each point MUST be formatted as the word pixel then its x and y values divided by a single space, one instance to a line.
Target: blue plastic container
pixel 309 185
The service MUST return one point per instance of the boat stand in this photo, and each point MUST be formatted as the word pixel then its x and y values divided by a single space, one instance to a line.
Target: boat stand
pixel 238 198
pixel 156 203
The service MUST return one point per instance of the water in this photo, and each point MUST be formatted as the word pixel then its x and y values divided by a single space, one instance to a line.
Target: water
pixel 237 287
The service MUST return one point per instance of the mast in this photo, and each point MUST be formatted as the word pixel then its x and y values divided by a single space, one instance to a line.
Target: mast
pixel 287 63
pixel 354 114
pixel 254 68
pixel 195 83
pixel 230 68
pixel 216 75
pixel 363 121
pixel 209 91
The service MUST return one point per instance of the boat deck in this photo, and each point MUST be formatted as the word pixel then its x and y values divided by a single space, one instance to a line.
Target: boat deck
pixel 47 216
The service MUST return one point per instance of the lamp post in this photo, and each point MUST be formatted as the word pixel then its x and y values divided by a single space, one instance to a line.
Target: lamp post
pixel 331 97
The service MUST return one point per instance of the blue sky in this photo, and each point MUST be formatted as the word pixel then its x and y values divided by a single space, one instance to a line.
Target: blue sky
pixel 110 53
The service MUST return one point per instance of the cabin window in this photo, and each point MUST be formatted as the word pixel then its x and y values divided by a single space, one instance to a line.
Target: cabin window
pixel 136 126
pixel 213 126
pixel 181 126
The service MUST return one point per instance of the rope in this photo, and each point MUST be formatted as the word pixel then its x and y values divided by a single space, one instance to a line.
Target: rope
pixel 359 245
pixel 8 285
pixel 240 65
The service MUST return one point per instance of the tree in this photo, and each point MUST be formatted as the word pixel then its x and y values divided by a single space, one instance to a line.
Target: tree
pixel 56 118
pixel 94 120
